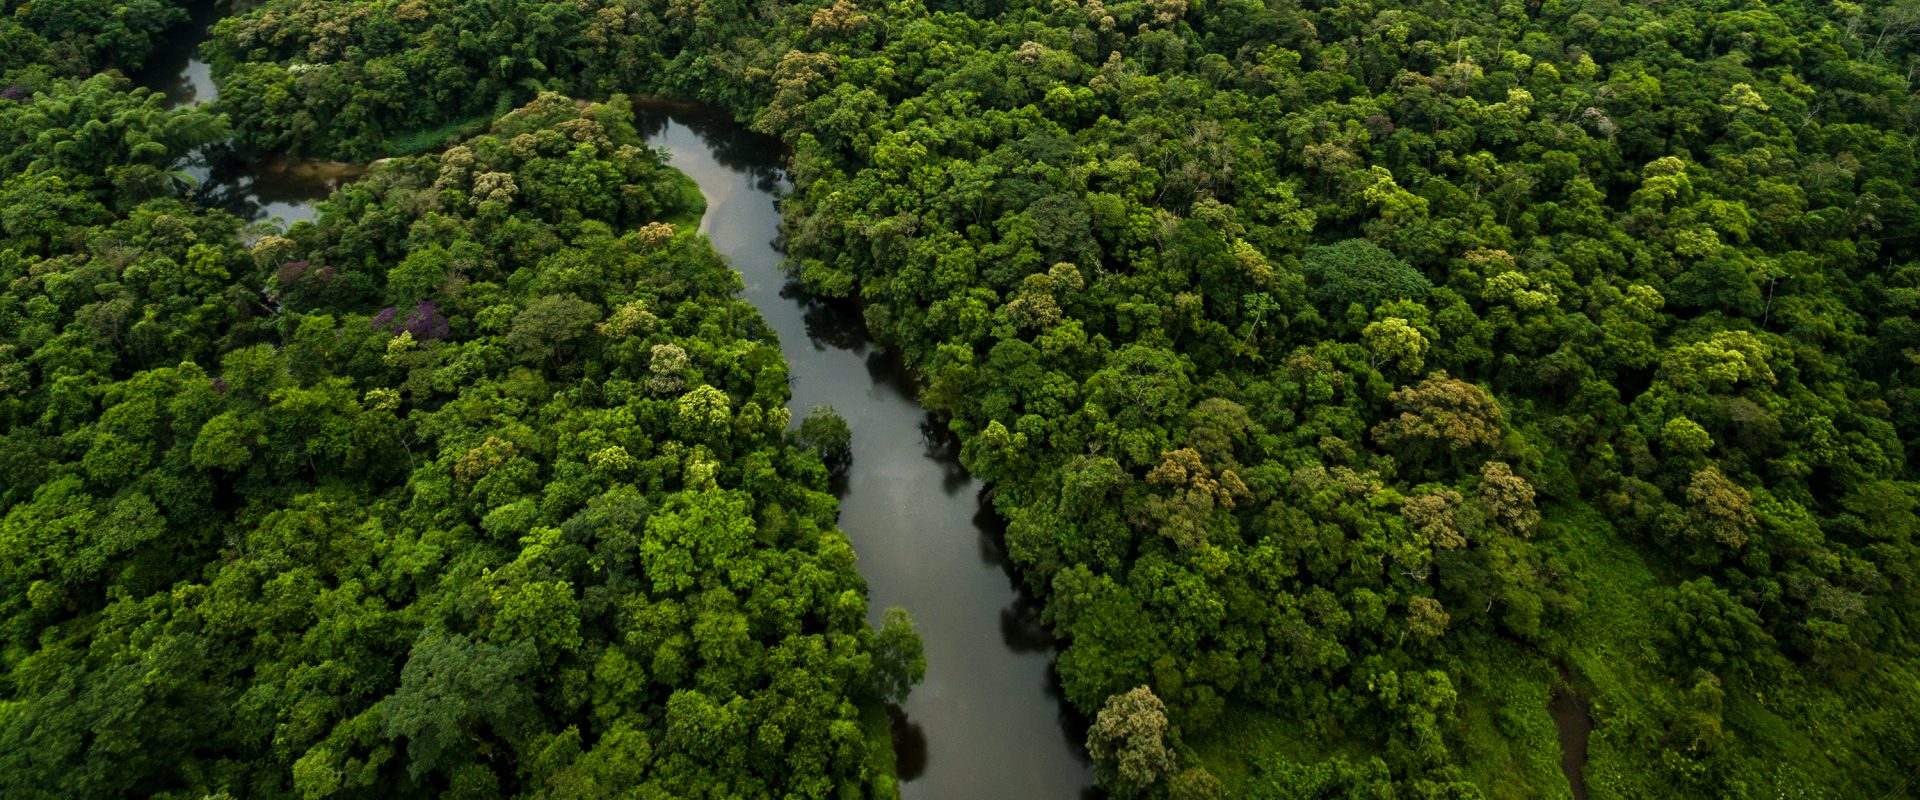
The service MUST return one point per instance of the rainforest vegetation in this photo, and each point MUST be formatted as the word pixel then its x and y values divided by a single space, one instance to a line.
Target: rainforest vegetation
pixel 1353 377
pixel 488 492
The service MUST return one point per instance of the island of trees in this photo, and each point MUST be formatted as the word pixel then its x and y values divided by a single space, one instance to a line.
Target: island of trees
pixel 1354 377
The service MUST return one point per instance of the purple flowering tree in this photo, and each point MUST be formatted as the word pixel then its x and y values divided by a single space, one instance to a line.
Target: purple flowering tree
pixel 426 322
pixel 291 271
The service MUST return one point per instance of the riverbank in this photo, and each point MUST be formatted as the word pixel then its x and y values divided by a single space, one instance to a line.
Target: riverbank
pixel 988 721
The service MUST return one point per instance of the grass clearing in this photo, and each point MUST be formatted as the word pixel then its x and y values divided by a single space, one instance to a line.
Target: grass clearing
pixel 430 139
pixel 1507 741
pixel 1245 738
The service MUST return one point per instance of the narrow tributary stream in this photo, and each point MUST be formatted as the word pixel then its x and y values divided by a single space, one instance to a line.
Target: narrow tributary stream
pixel 1573 719
pixel 988 721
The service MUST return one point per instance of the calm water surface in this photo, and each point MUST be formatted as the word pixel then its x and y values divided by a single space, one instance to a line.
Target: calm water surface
pixel 988 722
pixel 1574 720
pixel 175 69
pixel 272 188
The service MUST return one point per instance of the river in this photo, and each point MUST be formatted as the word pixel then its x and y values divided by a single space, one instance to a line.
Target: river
pixel 271 188
pixel 988 722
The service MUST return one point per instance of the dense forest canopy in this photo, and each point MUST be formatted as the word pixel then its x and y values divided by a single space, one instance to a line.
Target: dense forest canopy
pixel 1352 377
pixel 66 37
pixel 488 492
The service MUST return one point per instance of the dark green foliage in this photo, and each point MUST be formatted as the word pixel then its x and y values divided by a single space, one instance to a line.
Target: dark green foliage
pixel 1711 630
pixel 1317 354
pixel 1358 271
pixel 454 689
pixel 470 544
pixel 81 36
pixel 828 436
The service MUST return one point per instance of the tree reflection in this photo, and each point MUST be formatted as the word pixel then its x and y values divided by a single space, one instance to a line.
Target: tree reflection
pixel 909 744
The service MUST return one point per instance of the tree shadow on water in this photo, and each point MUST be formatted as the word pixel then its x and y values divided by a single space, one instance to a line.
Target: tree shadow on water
pixel 909 744
pixel 830 323
pixel 733 146
pixel 1021 626
pixel 943 450
pixel 993 538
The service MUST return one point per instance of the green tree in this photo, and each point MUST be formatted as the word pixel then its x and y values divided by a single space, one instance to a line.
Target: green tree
pixel 1357 271
pixel 898 661
pixel 1130 743
pixel 453 691
pixel 828 436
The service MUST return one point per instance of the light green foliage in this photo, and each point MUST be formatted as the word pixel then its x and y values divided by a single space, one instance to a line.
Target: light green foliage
pixel 1685 437
pixel 1658 261
pixel 898 662
pixel 464 546
pixel 1128 742
pixel 702 412
pixel 1396 343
